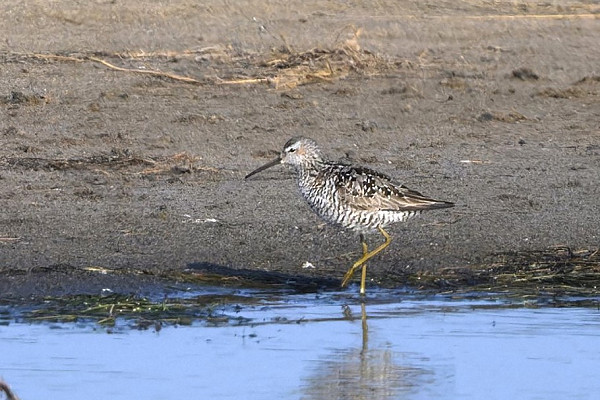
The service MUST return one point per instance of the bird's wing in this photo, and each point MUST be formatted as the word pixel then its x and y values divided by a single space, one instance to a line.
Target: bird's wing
pixel 366 189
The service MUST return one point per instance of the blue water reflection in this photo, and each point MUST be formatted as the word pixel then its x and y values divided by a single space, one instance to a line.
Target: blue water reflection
pixel 319 347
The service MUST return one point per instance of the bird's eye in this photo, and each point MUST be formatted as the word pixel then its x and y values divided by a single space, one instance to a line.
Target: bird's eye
pixel 291 150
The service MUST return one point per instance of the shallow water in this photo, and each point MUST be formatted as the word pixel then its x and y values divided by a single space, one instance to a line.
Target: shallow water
pixel 319 346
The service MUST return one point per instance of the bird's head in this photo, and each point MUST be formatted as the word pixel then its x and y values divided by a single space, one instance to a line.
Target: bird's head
pixel 299 152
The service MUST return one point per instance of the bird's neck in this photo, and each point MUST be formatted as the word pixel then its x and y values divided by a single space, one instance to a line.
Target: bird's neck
pixel 309 169
pixel 311 177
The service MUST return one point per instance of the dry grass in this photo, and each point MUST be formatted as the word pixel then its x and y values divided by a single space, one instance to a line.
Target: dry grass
pixel 558 271
pixel 508 117
pixel 179 163
pixel 282 69
pixel 105 310
pixel 286 69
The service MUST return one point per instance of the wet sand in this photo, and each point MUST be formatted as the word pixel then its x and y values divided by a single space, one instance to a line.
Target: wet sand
pixel 103 167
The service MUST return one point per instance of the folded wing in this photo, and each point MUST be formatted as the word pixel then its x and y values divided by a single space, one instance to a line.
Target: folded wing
pixel 366 189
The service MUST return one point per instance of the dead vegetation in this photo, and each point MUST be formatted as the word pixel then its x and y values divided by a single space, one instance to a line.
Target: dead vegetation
pixel 117 160
pixel 508 117
pixel 559 276
pixel 558 267
pixel 287 69
pixel 562 93
pixel 556 271
pixel 588 79
pixel 20 98
pixel 136 312
pixel 283 68
pixel 525 74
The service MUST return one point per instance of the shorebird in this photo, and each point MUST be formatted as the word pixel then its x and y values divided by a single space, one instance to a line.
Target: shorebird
pixel 357 198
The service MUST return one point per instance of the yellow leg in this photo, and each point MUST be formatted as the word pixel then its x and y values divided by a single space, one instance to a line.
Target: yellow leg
pixel 368 255
pixel 365 251
pixel 363 276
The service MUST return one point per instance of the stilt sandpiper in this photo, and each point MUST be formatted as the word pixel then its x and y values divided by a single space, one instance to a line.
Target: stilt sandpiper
pixel 356 198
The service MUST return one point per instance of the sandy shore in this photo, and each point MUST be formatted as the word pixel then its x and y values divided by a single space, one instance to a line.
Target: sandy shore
pixel 105 166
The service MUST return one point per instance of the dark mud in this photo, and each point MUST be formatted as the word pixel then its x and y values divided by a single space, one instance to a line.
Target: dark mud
pixel 126 131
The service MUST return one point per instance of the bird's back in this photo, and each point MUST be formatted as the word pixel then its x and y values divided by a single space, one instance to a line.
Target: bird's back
pixel 360 198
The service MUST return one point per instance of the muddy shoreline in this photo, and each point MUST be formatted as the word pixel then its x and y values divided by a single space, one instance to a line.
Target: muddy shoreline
pixel 104 167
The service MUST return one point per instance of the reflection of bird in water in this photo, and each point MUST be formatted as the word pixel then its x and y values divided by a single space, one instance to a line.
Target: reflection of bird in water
pixel 9 394
pixel 357 198
pixel 347 312
pixel 361 373
pixel 365 327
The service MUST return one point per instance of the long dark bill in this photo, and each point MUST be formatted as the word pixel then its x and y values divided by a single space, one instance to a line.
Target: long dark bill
pixel 267 165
